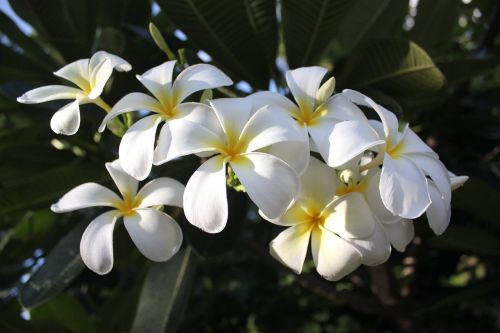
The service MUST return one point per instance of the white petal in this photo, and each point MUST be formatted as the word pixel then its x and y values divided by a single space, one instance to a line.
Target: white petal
pixel 118 63
pixel 270 183
pixel 295 153
pixel 403 188
pixel 350 216
pixel 268 126
pixel 374 249
pixel 137 147
pixel 84 196
pixel 304 82
pixel 439 212
pixel 76 72
pixel 293 216
pixel 400 233
pixel 339 107
pixel 349 139
pixel 233 114
pixel 132 102
pixel 410 143
pixel 201 114
pixel 389 120
pixel 50 93
pixel 318 184
pixel 436 170
pixel 96 246
pixel 199 77
pixel 180 137
pixel 374 199
pixel 127 185
pixel 290 246
pixel 157 236
pixel 67 119
pixel 158 80
pixel 334 257
pixel 99 76
pixel 264 98
pixel 205 199
pixel 161 191
pixel 320 133
pixel 457 181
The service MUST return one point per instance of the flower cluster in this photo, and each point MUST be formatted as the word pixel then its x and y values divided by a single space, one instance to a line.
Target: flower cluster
pixel 353 201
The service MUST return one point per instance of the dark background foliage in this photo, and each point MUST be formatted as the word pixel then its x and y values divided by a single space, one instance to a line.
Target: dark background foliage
pixel 436 65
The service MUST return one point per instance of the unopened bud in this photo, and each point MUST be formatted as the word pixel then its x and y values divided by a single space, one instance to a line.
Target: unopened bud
pixel 349 176
pixel 325 91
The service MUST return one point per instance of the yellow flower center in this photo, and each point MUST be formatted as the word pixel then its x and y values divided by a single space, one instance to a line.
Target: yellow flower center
pixel 128 205
pixel 308 116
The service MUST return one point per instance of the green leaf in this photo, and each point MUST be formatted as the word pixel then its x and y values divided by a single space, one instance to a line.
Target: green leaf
pixel 43 188
pixel 370 19
pixel 461 70
pixel 165 294
pixel 63 312
pixel 309 26
pixel 239 35
pixel 469 240
pixel 397 67
pixel 480 199
pixel 62 265
pixel 435 22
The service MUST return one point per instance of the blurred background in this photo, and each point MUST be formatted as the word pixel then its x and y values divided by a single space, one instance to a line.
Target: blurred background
pixel 434 63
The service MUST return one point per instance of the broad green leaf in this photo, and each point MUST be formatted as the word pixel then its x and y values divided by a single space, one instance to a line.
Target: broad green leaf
pixel 468 240
pixel 165 294
pixel 62 265
pixel 62 312
pixel 309 26
pixel 480 199
pixel 240 35
pixel 435 22
pixel 397 67
pixel 460 70
pixel 44 188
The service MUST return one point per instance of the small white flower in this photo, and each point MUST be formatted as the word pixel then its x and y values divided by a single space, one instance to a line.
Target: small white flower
pixel 90 75
pixel 316 111
pixel 235 136
pixel 157 236
pixel 406 160
pixel 344 230
pixel 137 151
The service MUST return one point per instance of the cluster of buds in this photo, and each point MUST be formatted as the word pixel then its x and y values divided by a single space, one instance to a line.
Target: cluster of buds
pixel 349 185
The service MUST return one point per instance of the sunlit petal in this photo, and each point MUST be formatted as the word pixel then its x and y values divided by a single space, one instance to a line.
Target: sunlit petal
pixel 263 98
pixel 161 191
pixel 339 107
pixel 290 246
pixel 50 93
pixel 126 184
pixel 403 188
pixel 96 245
pixel 410 143
pixel 158 80
pixel 205 198
pixel 199 77
pixel 375 249
pixel 271 183
pixel 233 114
pixel 435 169
pixel 84 196
pixel 295 153
pixel 304 82
pixel 320 133
pixel 374 199
pixel 157 236
pixel 400 233
pixel 318 184
pixel 99 76
pixel 293 216
pixel 67 119
pixel 76 72
pixel 439 212
pixel 334 257
pixel 137 147
pixel 118 63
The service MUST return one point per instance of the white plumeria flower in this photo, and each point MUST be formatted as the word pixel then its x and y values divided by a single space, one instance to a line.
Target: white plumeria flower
pixel 235 137
pixel 157 236
pixel 343 229
pixel 90 75
pixel 406 160
pixel 316 111
pixel 137 151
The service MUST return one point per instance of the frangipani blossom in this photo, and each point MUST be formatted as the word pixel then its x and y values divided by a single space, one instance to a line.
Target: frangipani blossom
pixel 234 137
pixel 157 236
pixel 90 75
pixel 337 219
pixel 406 160
pixel 316 111
pixel 137 151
